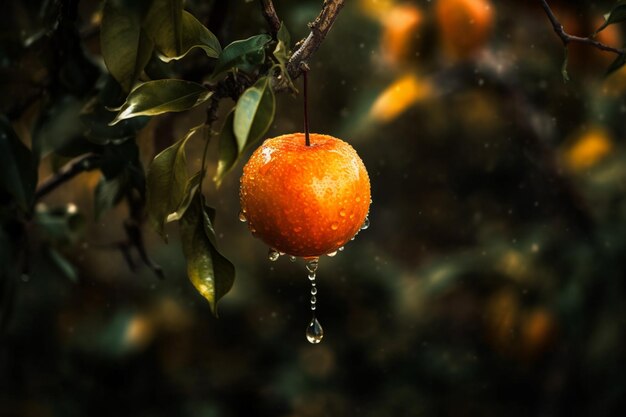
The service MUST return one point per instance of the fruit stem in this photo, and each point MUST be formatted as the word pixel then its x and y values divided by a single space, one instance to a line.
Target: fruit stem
pixel 307 140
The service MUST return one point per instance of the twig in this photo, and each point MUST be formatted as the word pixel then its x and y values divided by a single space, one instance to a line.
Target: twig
pixel 270 14
pixel 319 29
pixel 83 163
pixel 566 38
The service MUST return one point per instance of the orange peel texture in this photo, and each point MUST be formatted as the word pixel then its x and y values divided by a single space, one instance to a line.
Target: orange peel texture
pixel 305 200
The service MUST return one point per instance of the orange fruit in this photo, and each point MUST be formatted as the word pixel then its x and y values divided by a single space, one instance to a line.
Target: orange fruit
pixel 464 25
pixel 305 200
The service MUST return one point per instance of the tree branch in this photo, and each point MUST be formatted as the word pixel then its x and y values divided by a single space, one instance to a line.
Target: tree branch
pixel 83 163
pixel 270 14
pixel 319 29
pixel 566 38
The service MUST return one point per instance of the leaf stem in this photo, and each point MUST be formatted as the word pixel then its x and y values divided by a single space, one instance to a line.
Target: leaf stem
pixel 307 140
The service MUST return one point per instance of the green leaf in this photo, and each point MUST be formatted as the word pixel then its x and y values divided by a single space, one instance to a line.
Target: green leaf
pixel 18 171
pixel 190 191
pixel 126 47
pixel 244 54
pixel 616 15
pixel 194 35
pixel 161 96
pixel 211 273
pixel 254 113
pixel 228 151
pixel 281 52
pixel 166 183
pixel 618 63
pixel 283 35
pixel 164 25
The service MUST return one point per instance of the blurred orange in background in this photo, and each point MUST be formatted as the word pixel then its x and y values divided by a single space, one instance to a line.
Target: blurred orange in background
pixel 399 30
pixel 464 25
pixel 587 149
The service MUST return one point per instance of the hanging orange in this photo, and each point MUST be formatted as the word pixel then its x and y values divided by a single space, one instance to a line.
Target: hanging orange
pixel 305 200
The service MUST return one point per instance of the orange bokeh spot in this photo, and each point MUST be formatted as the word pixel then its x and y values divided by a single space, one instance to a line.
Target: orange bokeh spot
pixel 464 25
pixel 588 150
pixel 399 24
pixel 399 96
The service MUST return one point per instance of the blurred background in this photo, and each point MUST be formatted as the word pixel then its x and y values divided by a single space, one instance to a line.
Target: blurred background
pixel 489 282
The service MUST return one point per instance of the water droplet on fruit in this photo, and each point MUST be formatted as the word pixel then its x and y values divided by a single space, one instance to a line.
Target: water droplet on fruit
pixel 331 254
pixel 358 199
pixel 334 226
pixel 242 217
pixel 312 264
pixel 314 331
pixel 341 248
pixel 366 224
pixel 273 255
pixel 342 213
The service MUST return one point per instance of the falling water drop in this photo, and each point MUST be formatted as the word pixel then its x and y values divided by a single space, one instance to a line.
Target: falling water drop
pixel 273 255
pixel 292 258
pixel 314 331
pixel 341 249
pixel 242 217
pixel 311 264
pixel 366 224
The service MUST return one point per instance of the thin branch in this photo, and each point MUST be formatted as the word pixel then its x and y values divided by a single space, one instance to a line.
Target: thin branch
pixel 270 14
pixel 319 29
pixel 83 163
pixel 566 38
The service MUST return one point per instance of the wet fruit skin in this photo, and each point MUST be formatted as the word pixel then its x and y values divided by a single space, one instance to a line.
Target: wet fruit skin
pixel 305 200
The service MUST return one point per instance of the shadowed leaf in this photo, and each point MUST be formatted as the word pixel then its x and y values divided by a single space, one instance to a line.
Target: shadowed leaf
pixel 616 15
pixel 126 47
pixel 616 64
pixel 166 183
pixel 194 35
pixel 228 151
pixel 211 273
pixel 18 171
